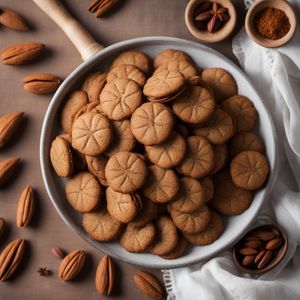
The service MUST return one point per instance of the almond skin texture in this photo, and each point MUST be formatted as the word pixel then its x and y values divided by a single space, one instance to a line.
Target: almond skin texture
pixel 8 125
pixel 71 265
pixel 149 285
pixel 2 227
pixel 7 169
pixel 25 207
pixel 105 276
pixel 21 53
pixel 12 20
pixel 10 258
pixel 57 252
pixel 41 83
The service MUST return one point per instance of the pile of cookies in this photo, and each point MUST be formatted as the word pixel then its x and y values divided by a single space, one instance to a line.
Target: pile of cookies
pixel 154 157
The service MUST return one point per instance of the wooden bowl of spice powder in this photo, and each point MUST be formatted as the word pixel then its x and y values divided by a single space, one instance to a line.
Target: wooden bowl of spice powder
pixel 271 23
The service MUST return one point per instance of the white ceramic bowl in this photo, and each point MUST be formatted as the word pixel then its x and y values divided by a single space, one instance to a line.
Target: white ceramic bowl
pixel 204 57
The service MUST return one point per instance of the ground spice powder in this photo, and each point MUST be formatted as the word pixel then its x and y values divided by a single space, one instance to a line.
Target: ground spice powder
pixel 272 23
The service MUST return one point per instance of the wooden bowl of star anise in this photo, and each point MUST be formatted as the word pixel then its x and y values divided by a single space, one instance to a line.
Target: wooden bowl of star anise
pixel 210 21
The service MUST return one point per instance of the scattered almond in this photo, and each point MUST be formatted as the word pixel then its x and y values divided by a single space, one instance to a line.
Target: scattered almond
pixel 105 276
pixel 248 251
pixel 8 125
pixel 253 244
pixel 2 227
pixel 274 244
pixel 12 20
pixel 25 207
pixel 59 253
pixel 100 7
pixel 41 83
pixel 248 260
pixel 7 169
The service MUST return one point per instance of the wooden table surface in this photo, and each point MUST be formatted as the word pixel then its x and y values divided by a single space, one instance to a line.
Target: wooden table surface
pixel 133 19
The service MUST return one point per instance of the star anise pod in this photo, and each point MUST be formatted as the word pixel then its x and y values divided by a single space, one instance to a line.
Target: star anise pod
pixel 44 272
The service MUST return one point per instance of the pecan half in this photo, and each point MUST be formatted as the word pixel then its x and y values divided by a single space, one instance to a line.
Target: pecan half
pixel 100 7
pixel 12 20
pixel 105 276
pixel 41 83
pixel 7 169
pixel 25 207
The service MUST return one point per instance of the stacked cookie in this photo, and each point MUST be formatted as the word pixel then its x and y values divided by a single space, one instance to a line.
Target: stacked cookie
pixel 154 157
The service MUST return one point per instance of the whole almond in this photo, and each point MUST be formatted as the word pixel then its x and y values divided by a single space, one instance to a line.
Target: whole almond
pixel 253 244
pixel 259 256
pixel 274 244
pixel 248 260
pixel 100 7
pixel 105 276
pixel 41 83
pixel 25 207
pixel 59 253
pixel 149 285
pixel 264 235
pixel 7 169
pixel 265 260
pixel 71 265
pixel 248 251
pixel 12 20
pixel 2 227
pixel 10 258
pixel 8 125
pixel 21 53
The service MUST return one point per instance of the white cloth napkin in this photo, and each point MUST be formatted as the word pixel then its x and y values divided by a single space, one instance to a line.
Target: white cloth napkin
pixel 276 74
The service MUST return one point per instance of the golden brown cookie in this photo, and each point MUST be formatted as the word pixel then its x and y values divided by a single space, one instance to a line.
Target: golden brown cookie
pixel 199 158
pixel 126 172
pixel 169 153
pixel 229 199
pixel 147 213
pixel 93 85
pixel 135 58
pixel 76 101
pixel 220 155
pixel 211 233
pixel 122 140
pixel 208 186
pixel 190 197
pixel 243 141
pixel 169 54
pixel 195 105
pixel 61 157
pixel 193 222
pixel 83 192
pixel 179 250
pixel 137 238
pixel 91 134
pixel 96 165
pixel 152 123
pixel 164 86
pixel 122 207
pixel 249 170
pixel 161 184
pixel 120 98
pixel 92 106
pixel 242 111
pixel 166 236
pixel 219 129
pixel 222 83
pixel 101 226
pixel 129 72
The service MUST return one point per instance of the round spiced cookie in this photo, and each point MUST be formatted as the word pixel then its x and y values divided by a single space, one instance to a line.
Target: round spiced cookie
pixel 147 214
pixel 169 153
pixel 96 166
pixel 126 172
pixel 61 157
pixel 152 123
pixel 199 158
pixel 161 184
pixel 76 101
pixel 129 72
pixel 244 141
pixel 123 139
pixel 195 105
pixel 137 238
pixel 93 85
pixel 170 54
pixel 91 134
pixel 219 129
pixel 122 207
pixel 193 222
pixel 164 86
pixel 208 186
pixel 211 232
pixel 83 192
pixel 221 155
pixel 120 98
pixel 179 250
pixel 166 236
pixel 242 111
pixel 249 170
pixel 101 226
pixel 135 58
pixel 228 199
pixel 221 81
pixel 91 106
pixel 190 197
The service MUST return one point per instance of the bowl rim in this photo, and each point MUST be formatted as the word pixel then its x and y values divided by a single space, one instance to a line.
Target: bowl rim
pixel 44 155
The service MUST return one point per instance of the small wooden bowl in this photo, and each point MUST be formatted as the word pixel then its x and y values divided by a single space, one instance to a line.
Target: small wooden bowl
pixel 206 36
pixel 274 262
pixel 258 6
